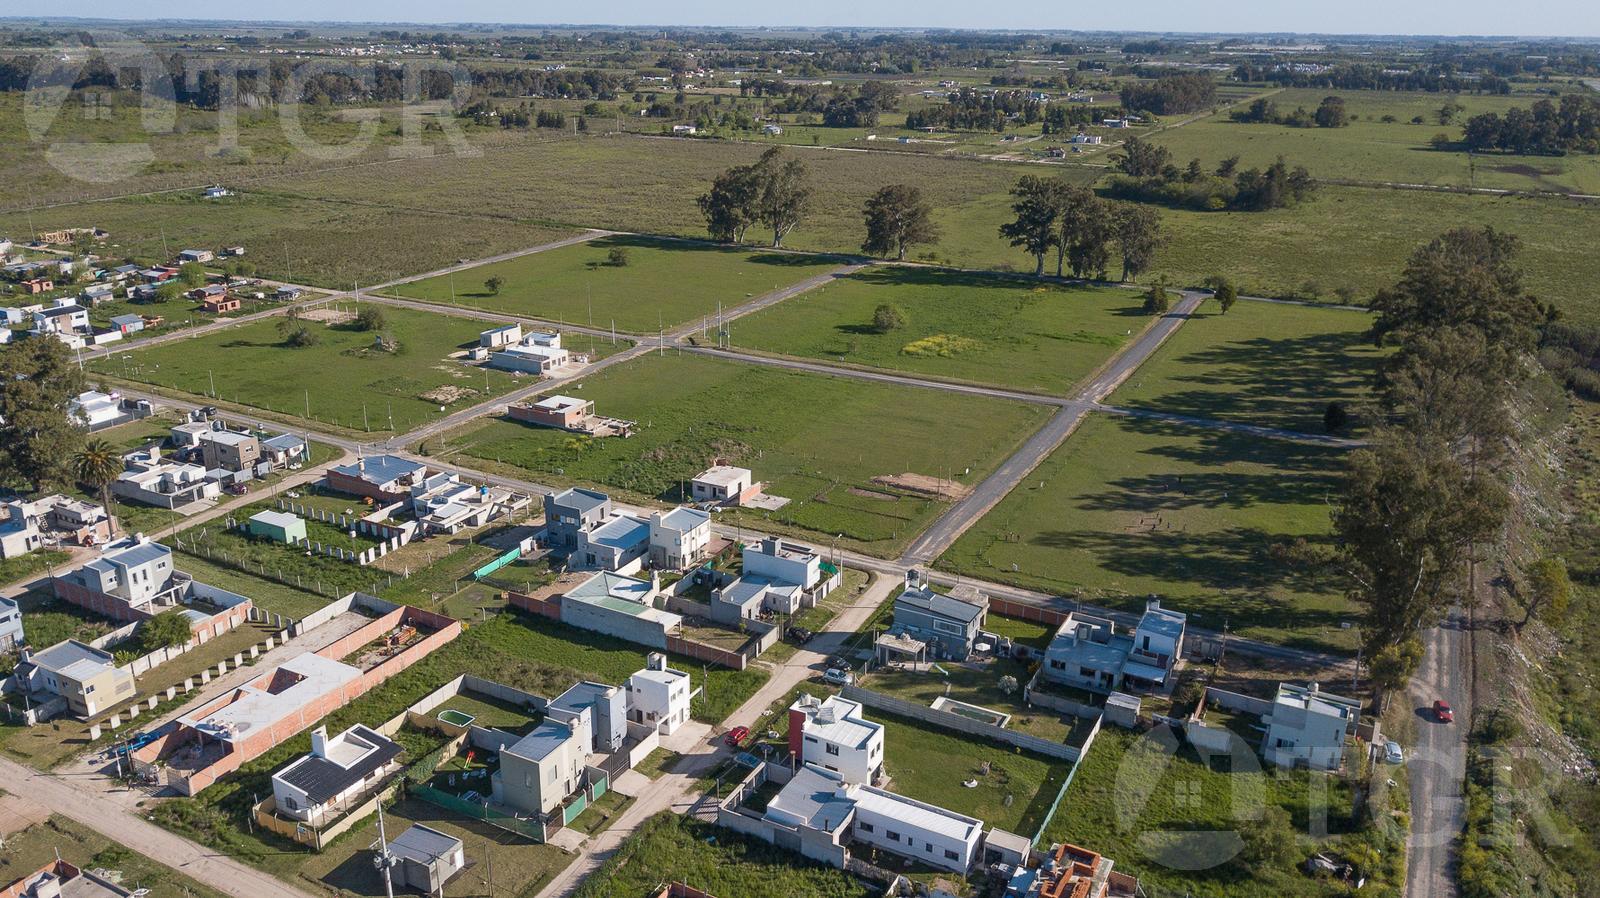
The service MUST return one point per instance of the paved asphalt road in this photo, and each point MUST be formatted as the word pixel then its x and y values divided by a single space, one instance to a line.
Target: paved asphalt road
pixel 1437 765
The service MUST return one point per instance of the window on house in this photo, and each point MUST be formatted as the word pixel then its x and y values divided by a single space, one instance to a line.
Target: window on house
pixel 1058 665
pixel 831 749
pixel 893 836
pixel 1086 672
pixel 290 803
pixel 928 847
pixel 864 827
pixel 951 855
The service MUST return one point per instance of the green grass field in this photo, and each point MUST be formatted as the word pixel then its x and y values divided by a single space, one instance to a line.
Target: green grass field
pixel 338 378
pixel 790 428
pixel 958 326
pixel 1370 149
pixel 1271 364
pixel 1172 819
pixel 1131 507
pixel 664 282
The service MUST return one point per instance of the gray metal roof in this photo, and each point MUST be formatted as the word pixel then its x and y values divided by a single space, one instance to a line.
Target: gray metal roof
pixel 580 500
pixel 322 779
pixel 424 844
pixel 940 605
pixel 380 468
pixel 544 739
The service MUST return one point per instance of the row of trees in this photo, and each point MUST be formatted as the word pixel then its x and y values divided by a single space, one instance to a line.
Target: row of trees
pixel 1149 175
pixel 1171 94
pixel 774 192
pixel 1080 228
pixel 1430 488
pixel 1545 128
pixel 1372 76
pixel 971 110
pixel 1330 113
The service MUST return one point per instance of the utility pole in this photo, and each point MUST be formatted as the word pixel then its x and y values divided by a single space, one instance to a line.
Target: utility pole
pixel 385 861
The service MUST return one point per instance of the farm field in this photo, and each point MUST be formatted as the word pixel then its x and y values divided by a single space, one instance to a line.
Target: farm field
pixel 341 379
pixel 1174 819
pixel 788 427
pixel 958 326
pixel 1273 364
pixel 1348 242
pixel 662 283
pixel 1205 518
pixel 1370 149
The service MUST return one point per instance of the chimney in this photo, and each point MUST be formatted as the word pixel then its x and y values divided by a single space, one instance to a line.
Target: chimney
pixel 656 661
pixel 319 742
pixel 1152 604
pixel 911 578
pixel 361 464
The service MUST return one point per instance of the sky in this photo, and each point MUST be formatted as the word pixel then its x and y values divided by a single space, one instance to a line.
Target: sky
pixel 1563 18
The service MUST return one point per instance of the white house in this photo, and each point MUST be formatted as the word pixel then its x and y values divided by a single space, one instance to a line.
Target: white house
pixel 684 129
pixel 67 317
pixel 1088 652
pixel 164 484
pixel 1308 727
pixel 834 734
pixel 724 485
pixel 679 538
pixel 319 787
pixel 134 569
pixel 783 562
pixel 537 353
pixel 19 532
pixel 496 337
pixel 215 192
pixel 659 696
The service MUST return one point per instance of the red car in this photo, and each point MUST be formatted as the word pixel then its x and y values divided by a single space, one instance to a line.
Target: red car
pixel 1442 712
pixel 736 736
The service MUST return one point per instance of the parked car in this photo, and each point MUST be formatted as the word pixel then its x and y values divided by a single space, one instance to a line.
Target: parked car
pixel 1442 712
pixel 838 677
pixel 736 736
pixel 840 662
pixel 800 635
pixel 1392 753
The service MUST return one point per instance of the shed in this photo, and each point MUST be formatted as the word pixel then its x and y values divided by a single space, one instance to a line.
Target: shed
pixel 428 858
pixel 278 526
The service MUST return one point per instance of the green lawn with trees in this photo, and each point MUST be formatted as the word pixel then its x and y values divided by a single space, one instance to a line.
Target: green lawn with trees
pixel 636 283
pixel 954 325
pixel 786 426
pixel 1230 528
pixel 1273 364
pixel 337 375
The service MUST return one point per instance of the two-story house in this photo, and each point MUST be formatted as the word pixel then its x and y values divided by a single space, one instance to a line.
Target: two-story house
pixel 947 625
pixel 572 512
pixel 659 696
pixel 679 538
pixel 1308 727
pixel 1088 652
pixel 834 734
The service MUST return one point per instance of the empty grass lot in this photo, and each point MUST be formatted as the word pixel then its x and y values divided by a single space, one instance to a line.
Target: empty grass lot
pixel 1172 819
pixel 958 326
pixel 339 378
pixel 663 283
pixel 815 439
pixel 60 837
pixel 1130 507
pixel 1271 364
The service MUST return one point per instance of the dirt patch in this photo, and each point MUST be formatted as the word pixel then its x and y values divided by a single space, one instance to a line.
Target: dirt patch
pixel 447 394
pixel 873 494
pixel 922 484
pixel 328 316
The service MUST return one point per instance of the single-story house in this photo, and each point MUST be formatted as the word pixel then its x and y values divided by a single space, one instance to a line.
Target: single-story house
pixel 619 606
pixel 127 324
pixel 319 787
pixel 428 858
pixel 196 255
pixel 381 478
pixel 724 485
pixel 496 337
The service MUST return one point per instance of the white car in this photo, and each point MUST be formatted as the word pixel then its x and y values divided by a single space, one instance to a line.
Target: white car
pixel 838 677
pixel 1392 753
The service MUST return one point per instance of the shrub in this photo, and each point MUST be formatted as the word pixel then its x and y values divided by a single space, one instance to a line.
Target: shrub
pixel 887 317
pixel 370 318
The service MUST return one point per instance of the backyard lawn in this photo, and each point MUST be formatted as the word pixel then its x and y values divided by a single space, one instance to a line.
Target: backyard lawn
pixel 1273 364
pixel 345 379
pixel 1207 519
pixel 1174 819
pixel 659 283
pixel 976 683
pixel 957 325
pixel 815 439
pixel 47 620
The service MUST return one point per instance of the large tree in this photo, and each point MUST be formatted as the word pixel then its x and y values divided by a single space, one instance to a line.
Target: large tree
pixel 1138 237
pixel 1464 277
pixel 96 465
pixel 1083 231
pixel 1143 159
pixel 785 193
pixel 732 204
pixel 37 438
pixel 897 217
pixel 1037 205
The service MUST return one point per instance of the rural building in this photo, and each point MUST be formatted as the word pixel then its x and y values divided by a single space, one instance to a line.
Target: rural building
pixel 529 359
pixel 659 696
pixel 1087 139
pixel 428 858
pixel 684 129
pixel 11 632
pixel 216 193
pixel 572 512
pixel 196 255
pixel 947 625
pixel 229 450
pixel 1088 653
pixel 86 677
pixel 381 478
pixel 278 526
pixel 834 734
pixel 221 305
pixel 37 285
pixel 567 413
pixel 1308 727
pixel 724 485
pixel 207 292
pixel 619 606
pixel 317 788
pixel 619 544
pixel 496 337
pixel 679 538
pixel 127 324
pixel 287 293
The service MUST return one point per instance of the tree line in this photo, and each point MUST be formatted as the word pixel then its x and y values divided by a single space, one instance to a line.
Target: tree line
pixel 1418 504
pixel 1330 113
pixel 1437 78
pixel 1545 128
pixel 1080 228
pixel 1149 175
pixel 1171 94
pixel 972 110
